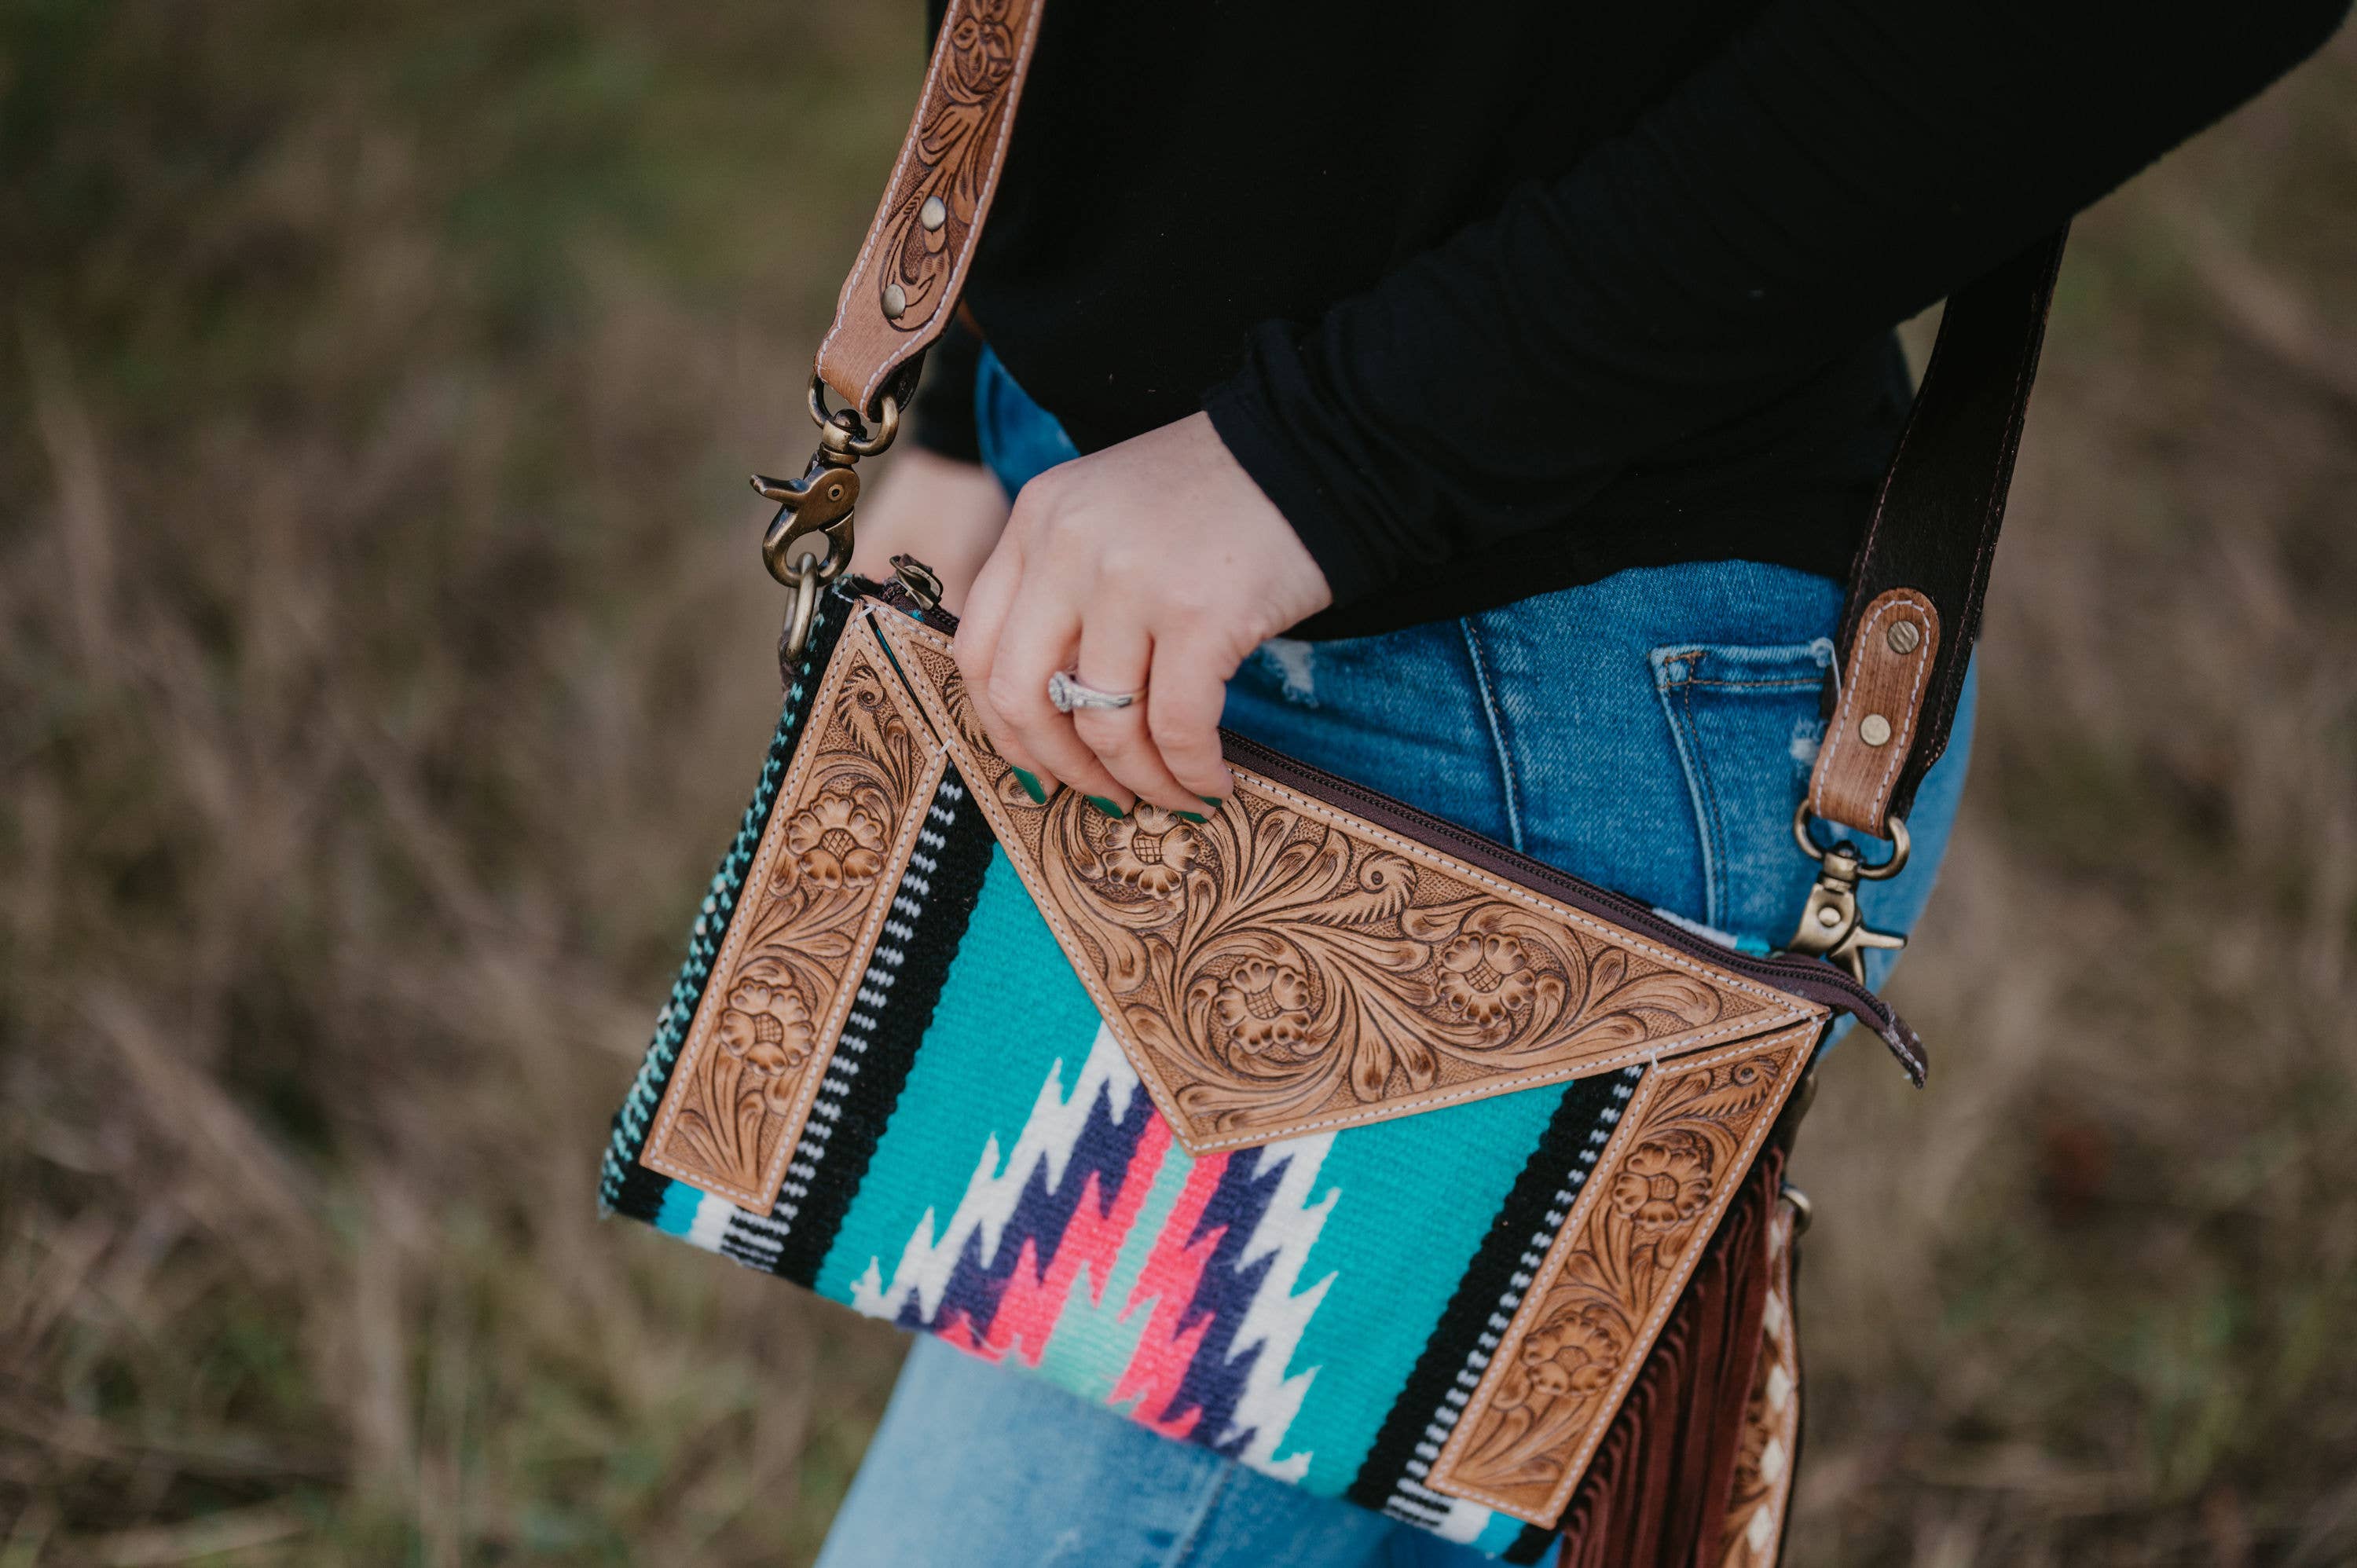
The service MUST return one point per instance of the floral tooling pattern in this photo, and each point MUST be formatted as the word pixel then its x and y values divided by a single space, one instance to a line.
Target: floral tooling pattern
pixel 863 776
pixel 1588 1319
pixel 1280 966
pixel 962 123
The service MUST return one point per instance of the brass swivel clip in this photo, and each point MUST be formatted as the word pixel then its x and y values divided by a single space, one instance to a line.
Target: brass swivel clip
pixel 1831 927
pixel 808 543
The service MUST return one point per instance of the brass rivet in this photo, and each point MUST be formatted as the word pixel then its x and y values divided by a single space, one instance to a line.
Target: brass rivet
pixel 1829 916
pixel 1874 729
pixel 896 301
pixel 933 213
pixel 1905 635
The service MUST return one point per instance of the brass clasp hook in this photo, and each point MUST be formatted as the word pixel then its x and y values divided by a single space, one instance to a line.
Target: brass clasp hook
pixel 809 541
pixel 1831 927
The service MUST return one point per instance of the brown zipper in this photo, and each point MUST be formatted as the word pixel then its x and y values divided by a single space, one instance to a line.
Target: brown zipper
pixel 1812 978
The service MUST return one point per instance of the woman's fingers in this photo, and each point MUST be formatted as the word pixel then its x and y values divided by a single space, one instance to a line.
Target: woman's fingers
pixel 1101 571
pixel 979 633
pixel 1019 630
pixel 1116 655
pixel 1038 641
pixel 1182 719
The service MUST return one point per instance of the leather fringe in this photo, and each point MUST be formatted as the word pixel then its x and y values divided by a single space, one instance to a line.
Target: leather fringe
pixel 1656 1494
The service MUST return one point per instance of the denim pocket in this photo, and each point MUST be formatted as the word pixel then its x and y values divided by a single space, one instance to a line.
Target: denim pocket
pixel 1746 725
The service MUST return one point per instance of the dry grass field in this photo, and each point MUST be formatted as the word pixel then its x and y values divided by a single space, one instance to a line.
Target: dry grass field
pixel 383 661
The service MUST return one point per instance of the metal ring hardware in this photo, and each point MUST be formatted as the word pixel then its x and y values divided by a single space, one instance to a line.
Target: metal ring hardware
pixel 856 441
pixel 1831 927
pixel 819 503
pixel 796 636
pixel 1900 846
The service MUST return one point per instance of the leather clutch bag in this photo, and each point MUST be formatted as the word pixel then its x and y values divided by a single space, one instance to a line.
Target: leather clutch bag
pixel 1319 1132
pixel 1316 1131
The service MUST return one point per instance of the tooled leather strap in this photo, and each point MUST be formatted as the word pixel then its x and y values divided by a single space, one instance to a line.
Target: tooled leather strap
pixel 904 287
pixel 1914 604
pixel 1915 589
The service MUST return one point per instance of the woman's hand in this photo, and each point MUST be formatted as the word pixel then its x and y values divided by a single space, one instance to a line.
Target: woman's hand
pixel 946 513
pixel 1155 566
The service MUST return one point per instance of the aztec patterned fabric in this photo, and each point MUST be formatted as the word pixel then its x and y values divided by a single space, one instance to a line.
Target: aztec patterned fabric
pixel 978 1157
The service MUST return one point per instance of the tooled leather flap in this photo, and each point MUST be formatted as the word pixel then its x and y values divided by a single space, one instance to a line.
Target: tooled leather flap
pixel 1284 967
pixel 814 902
pixel 903 287
pixel 1611 1276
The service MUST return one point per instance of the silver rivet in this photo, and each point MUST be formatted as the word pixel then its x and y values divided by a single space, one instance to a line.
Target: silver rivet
pixel 1874 729
pixel 896 301
pixel 1829 916
pixel 933 213
pixel 1904 636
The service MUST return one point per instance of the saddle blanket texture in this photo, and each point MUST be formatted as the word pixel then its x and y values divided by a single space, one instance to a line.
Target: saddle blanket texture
pixel 979 1160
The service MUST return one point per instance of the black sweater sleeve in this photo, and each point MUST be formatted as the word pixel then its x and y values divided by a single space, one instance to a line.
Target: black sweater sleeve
pixel 1838 167
pixel 942 412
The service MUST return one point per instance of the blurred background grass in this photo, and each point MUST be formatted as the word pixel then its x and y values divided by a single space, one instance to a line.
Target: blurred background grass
pixel 382 662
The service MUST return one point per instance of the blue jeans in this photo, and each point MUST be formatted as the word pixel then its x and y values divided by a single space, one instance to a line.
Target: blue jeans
pixel 1652 733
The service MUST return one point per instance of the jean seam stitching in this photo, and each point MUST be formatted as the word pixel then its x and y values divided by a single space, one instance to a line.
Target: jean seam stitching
pixel 1715 890
pixel 1759 685
pixel 1699 795
pixel 1498 740
pixel 1185 1549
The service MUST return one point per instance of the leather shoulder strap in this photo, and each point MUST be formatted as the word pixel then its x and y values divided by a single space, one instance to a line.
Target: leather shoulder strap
pixel 1916 587
pixel 904 287
pixel 1915 592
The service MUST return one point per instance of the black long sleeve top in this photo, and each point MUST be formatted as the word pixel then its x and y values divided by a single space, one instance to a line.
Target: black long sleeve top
pixel 1500 300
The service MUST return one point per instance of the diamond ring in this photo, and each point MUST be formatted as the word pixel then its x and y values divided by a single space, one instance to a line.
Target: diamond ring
pixel 1065 694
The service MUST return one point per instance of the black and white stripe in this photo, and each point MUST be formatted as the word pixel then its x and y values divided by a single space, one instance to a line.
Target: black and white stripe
pixel 1410 1499
pixel 1471 1328
pixel 625 1187
pixel 760 1239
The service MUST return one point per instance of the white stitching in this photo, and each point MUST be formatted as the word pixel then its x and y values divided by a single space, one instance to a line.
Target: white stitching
pixel 2025 367
pixel 1906 433
pixel 876 226
pixel 724 962
pixel 1593 1067
pixel 1830 759
pixel 1902 742
pixel 1549 1271
pixel 921 338
pixel 982 209
pixel 1506 781
pixel 1611 933
pixel 895 627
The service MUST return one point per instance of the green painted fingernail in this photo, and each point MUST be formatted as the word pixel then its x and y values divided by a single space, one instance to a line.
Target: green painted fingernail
pixel 1190 816
pixel 1031 786
pixel 1107 807
pixel 1213 800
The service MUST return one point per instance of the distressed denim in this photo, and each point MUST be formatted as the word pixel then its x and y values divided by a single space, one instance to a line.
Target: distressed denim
pixel 1650 733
